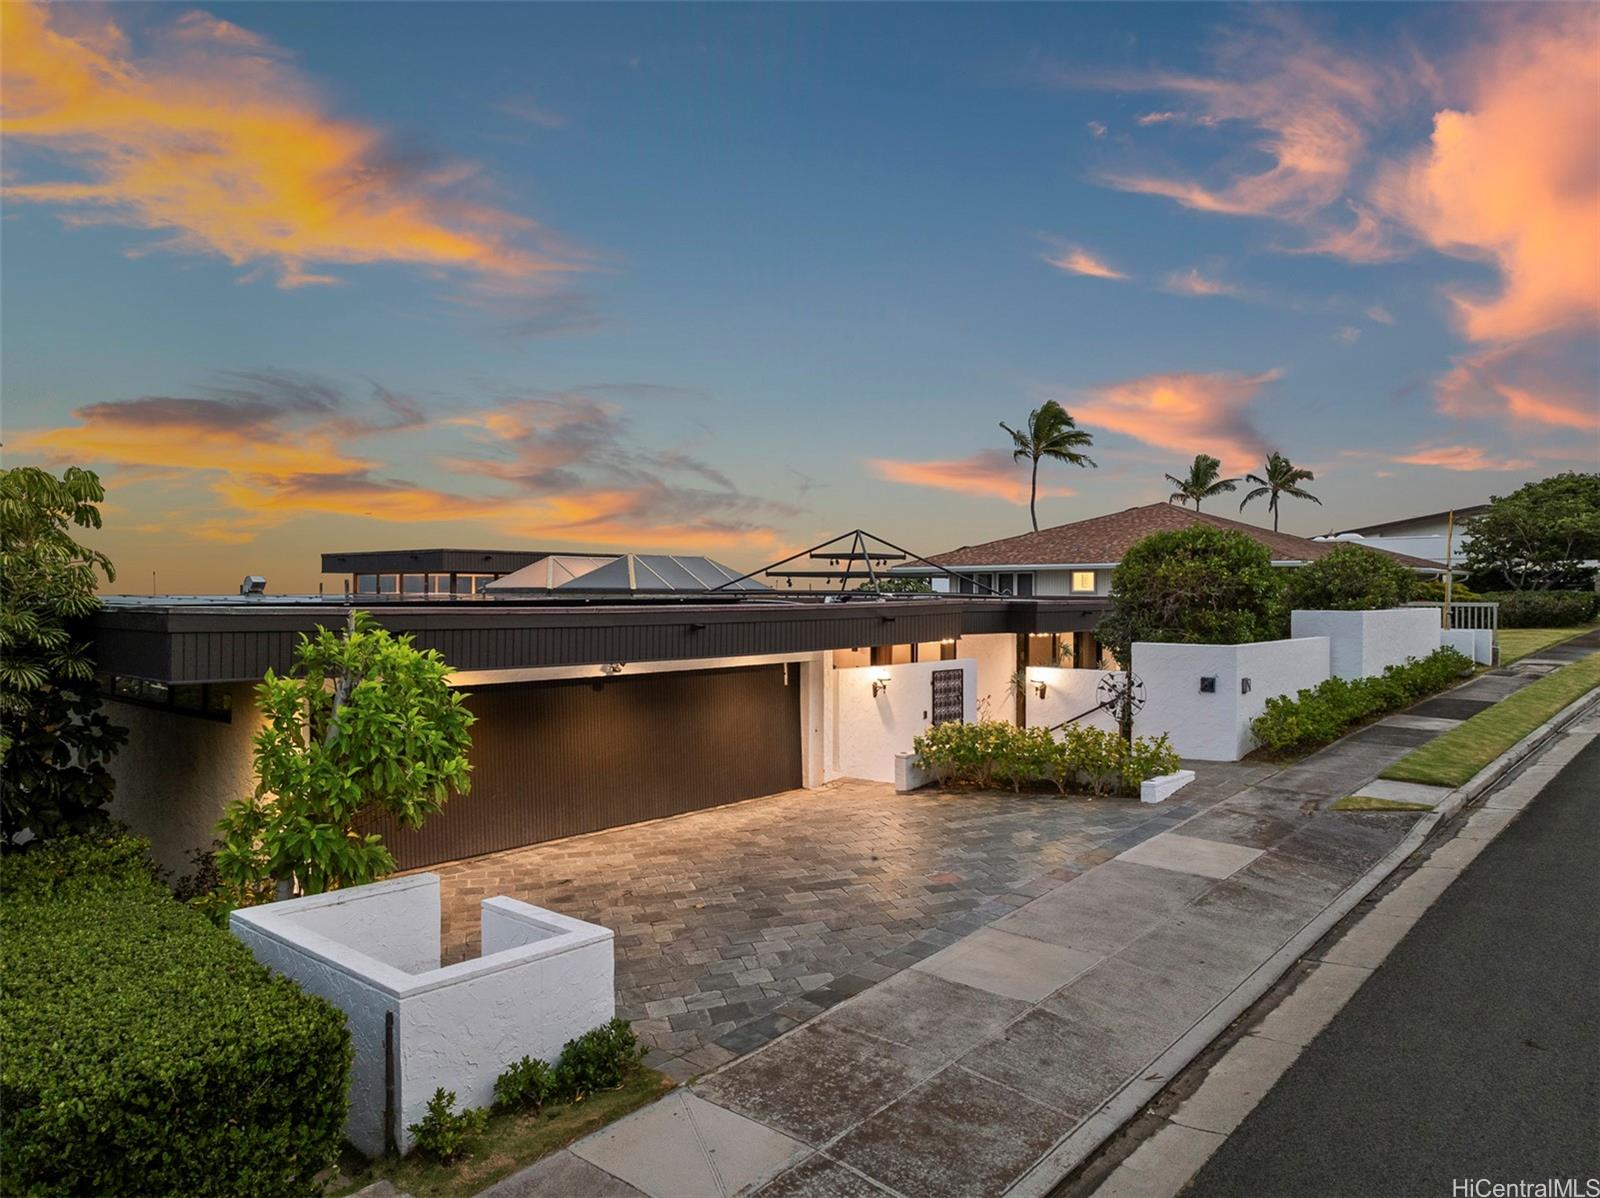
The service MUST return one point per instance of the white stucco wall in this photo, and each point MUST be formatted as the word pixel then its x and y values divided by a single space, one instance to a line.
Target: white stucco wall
pixel 543 979
pixel 869 730
pixel 1476 643
pixel 1066 693
pixel 996 656
pixel 1364 643
pixel 177 772
pixel 1216 726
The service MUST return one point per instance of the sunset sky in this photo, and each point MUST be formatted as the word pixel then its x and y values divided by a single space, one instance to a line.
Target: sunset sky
pixel 729 280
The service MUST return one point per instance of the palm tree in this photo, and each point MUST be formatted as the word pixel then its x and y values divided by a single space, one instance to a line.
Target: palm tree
pixel 1202 482
pixel 1282 477
pixel 1050 433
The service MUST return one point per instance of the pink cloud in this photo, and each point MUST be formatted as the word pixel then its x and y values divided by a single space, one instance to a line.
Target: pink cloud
pixel 991 473
pixel 1076 260
pixel 1462 457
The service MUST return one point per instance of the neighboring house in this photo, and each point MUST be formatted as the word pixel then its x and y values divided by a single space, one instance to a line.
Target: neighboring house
pixel 1077 560
pixel 595 707
pixel 1417 536
pixel 421 573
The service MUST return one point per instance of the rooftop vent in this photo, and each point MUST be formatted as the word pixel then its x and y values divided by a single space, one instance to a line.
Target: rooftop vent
pixel 253 584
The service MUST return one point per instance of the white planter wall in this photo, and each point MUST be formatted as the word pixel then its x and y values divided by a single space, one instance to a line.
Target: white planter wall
pixel 1363 643
pixel 1215 726
pixel 1476 643
pixel 996 656
pixel 1067 693
pixel 373 951
pixel 869 730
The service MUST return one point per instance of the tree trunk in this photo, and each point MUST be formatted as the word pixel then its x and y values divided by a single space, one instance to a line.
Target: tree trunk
pixel 1033 496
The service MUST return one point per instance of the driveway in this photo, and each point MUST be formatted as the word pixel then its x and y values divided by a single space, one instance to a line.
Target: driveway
pixel 736 924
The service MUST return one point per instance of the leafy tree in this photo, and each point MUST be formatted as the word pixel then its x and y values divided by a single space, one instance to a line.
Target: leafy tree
pixel 1350 577
pixel 55 743
pixel 1050 433
pixel 897 584
pixel 363 721
pixel 1281 477
pixel 1204 481
pixel 1197 585
pixel 1539 536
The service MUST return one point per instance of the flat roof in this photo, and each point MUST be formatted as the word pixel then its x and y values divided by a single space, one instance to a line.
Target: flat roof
pixel 237 638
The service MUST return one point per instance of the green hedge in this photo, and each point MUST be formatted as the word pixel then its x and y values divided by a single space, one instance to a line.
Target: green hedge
pixel 1320 714
pixel 1085 759
pixel 146 1052
pixel 1545 609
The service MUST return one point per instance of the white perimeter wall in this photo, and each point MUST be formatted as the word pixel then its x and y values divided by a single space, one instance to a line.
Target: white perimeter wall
pixel 1476 643
pixel 1364 643
pixel 996 656
pixel 1067 693
pixel 1216 726
pixel 543 979
pixel 868 730
pixel 177 773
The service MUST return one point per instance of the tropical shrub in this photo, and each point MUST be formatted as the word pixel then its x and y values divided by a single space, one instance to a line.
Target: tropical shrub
pixel 1350 577
pixel 1545 609
pixel 146 1052
pixel 444 1133
pixel 1200 586
pixel 1431 590
pixel 600 1059
pixel 364 722
pixel 1321 713
pixel 525 1085
pixel 1078 758
pixel 55 743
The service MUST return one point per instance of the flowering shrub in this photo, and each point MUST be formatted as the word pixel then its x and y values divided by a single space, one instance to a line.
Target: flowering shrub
pixel 1076 760
pixel 1321 713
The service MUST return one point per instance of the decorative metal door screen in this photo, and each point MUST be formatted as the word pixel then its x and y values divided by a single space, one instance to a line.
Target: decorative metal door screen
pixel 948 699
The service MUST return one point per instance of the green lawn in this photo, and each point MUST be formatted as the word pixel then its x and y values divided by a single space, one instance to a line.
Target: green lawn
pixel 1452 759
pixel 509 1143
pixel 1519 642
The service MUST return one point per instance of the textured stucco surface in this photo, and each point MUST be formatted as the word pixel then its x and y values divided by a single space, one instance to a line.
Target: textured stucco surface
pixel 543 979
pixel 1363 643
pixel 177 773
pixel 1215 726
pixel 869 730
pixel 1067 693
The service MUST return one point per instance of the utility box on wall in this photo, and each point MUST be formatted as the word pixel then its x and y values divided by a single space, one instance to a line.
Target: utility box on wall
pixel 373 952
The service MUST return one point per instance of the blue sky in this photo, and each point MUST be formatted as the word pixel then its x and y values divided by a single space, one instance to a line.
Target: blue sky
pixel 731 279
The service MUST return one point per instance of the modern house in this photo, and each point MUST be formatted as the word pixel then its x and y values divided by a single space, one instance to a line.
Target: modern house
pixel 1417 536
pixel 595 708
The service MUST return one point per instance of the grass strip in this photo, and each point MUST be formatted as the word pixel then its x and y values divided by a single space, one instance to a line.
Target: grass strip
pixel 510 1142
pixel 1369 803
pixel 1521 642
pixel 1453 758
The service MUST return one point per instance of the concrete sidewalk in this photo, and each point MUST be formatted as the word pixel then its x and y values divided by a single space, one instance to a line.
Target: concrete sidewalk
pixel 991 1066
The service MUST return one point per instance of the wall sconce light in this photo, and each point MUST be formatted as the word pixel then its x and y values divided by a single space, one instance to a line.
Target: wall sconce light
pixel 880 683
pixel 1244 686
pixel 1038 688
pixel 613 668
pixel 1208 685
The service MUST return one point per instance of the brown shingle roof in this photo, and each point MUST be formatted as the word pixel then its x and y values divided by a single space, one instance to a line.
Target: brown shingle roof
pixel 1107 538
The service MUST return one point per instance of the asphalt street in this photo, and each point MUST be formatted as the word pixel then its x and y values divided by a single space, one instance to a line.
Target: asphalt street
pixel 1474 1050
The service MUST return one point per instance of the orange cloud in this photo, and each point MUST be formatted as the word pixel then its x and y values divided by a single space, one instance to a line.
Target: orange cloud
pixel 1513 177
pixel 269 448
pixel 1539 382
pixel 212 138
pixel 1192 282
pixel 991 473
pixel 1188 412
pixel 1076 260
pixel 1311 108
pixel 1463 457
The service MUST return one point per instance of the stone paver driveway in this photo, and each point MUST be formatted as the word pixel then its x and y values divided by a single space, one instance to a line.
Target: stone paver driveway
pixel 736 924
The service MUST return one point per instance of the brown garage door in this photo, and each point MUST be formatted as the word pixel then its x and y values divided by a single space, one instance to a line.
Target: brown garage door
pixel 553 759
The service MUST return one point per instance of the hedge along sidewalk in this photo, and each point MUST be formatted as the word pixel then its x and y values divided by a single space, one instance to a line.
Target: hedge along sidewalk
pixel 1453 758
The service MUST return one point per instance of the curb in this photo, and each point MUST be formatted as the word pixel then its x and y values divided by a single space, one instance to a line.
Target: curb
pixel 1129 1101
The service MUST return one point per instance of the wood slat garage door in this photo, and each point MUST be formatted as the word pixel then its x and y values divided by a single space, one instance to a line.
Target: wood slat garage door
pixel 553 759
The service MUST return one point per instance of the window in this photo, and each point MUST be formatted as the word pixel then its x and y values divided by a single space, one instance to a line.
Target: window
pixel 414 584
pixel 1050 649
pixel 438 584
pixel 1024 586
pixel 196 699
pixel 1082 582
pixel 366 584
pixel 388 584
pixel 472 584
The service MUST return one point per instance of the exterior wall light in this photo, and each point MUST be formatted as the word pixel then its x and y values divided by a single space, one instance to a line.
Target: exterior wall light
pixel 614 667
pixel 880 683
pixel 1208 685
